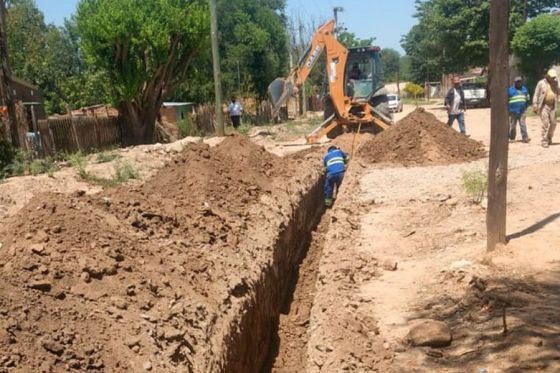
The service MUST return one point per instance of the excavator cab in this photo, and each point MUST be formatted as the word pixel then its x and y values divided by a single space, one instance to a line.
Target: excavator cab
pixel 363 73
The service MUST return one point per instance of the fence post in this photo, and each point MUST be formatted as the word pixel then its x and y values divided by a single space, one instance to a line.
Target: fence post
pixel 97 132
pixel 75 133
pixel 52 137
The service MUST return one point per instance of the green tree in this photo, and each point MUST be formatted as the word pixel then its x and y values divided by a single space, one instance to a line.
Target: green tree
pixel 253 44
pixel 537 44
pixel 405 67
pixel 414 90
pixel 146 48
pixel 452 35
pixel 391 63
pixel 49 57
pixel 349 40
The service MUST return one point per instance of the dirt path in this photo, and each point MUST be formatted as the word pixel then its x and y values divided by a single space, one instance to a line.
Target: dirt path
pixel 421 218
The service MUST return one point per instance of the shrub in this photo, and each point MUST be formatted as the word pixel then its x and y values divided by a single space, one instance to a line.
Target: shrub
pixel 186 127
pixel 475 183
pixel 124 171
pixel 42 166
pixel 106 156
pixel 414 90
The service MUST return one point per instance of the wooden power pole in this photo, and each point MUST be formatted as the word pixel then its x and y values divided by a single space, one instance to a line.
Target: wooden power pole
pixel 217 74
pixel 6 78
pixel 498 164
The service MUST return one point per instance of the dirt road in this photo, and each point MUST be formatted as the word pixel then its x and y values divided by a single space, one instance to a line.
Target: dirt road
pixel 422 219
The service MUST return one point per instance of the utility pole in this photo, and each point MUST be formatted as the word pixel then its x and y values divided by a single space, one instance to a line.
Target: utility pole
pixel 217 75
pixel 336 10
pixel 6 79
pixel 498 164
pixel 302 49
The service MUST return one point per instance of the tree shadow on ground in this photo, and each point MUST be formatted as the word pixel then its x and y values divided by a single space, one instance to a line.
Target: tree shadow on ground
pixel 534 228
pixel 532 341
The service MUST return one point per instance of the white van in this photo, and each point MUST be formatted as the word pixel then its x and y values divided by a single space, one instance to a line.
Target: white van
pixel 395 104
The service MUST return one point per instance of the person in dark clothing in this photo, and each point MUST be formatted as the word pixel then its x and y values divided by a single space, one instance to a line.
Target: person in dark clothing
pixel 335 165
pixel 455 105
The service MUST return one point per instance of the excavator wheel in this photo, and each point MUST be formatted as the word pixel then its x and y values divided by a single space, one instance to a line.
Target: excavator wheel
pixel 328 111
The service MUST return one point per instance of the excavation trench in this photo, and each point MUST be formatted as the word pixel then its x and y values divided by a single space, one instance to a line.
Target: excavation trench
pixel 272 333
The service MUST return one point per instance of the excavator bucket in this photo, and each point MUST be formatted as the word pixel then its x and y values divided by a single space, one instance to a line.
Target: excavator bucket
pixel 279 91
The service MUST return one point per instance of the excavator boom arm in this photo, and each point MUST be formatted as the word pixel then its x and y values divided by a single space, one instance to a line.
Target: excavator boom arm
pixel 323 40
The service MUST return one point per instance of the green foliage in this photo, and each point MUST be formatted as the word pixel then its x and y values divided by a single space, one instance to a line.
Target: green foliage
pixel 145 48
pixel 537 44
pixel 186 128
pixel 244 129
pixel 7 156
pixel 391 63
pixel 106 156
pixel 42 166
pixel 475 183
pixel 349 40
pixel 17 163
pixel 452 35
pixel 76 160
pixel 413 90
pixel 253 40
pixel 48 56
pixel 124 171
pixel 405 67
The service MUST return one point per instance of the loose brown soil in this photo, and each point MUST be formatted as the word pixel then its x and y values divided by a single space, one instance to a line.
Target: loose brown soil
pixel 160 276
pixel 421 139
pixel 288 353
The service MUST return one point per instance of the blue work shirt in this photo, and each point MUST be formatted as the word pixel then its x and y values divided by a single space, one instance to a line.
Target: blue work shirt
pixel 518 100
pixel 335 161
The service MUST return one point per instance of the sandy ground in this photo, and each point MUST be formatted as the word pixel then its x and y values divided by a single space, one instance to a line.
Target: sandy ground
pixel 421 218
pixel 15 192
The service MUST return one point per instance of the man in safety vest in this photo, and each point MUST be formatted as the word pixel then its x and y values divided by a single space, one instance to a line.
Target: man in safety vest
pixel 335 165
pixel 518 102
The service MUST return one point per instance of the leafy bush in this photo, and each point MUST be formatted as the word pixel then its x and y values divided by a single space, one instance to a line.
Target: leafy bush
pixel 124 171
pixel 475 183
pixel 106 156
pixel 244 129
pixel 186 127
pixel 7 156
pixel 76 160
pixel 414 90
pixel 42 166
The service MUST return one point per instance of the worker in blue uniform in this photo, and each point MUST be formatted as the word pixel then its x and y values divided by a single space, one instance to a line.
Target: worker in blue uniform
pixel 335 165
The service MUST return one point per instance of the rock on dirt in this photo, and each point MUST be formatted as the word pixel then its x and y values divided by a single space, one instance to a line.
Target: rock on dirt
pixel 390 265
pixel 431 333
pixel 421 139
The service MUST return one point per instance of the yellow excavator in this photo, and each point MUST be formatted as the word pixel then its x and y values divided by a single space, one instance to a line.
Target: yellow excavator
pixel 356 97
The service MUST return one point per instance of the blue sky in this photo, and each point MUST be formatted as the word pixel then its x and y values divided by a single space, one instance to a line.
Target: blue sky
pixel 386 20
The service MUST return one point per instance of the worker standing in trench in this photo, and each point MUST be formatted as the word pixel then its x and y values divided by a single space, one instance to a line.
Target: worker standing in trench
pixel 335 165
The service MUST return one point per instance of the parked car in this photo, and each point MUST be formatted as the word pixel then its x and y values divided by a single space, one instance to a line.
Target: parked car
pixel 395 104
pixel 475 95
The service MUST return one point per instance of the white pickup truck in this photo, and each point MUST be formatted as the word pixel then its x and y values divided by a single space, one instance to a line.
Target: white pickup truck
pixel 475 95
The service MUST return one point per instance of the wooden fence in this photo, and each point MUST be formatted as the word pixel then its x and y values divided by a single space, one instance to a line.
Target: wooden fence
pixel 72 134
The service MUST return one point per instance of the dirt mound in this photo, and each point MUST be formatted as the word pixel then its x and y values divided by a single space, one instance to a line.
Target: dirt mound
pixel 127 280
pixel 421 139
pixel 345 141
